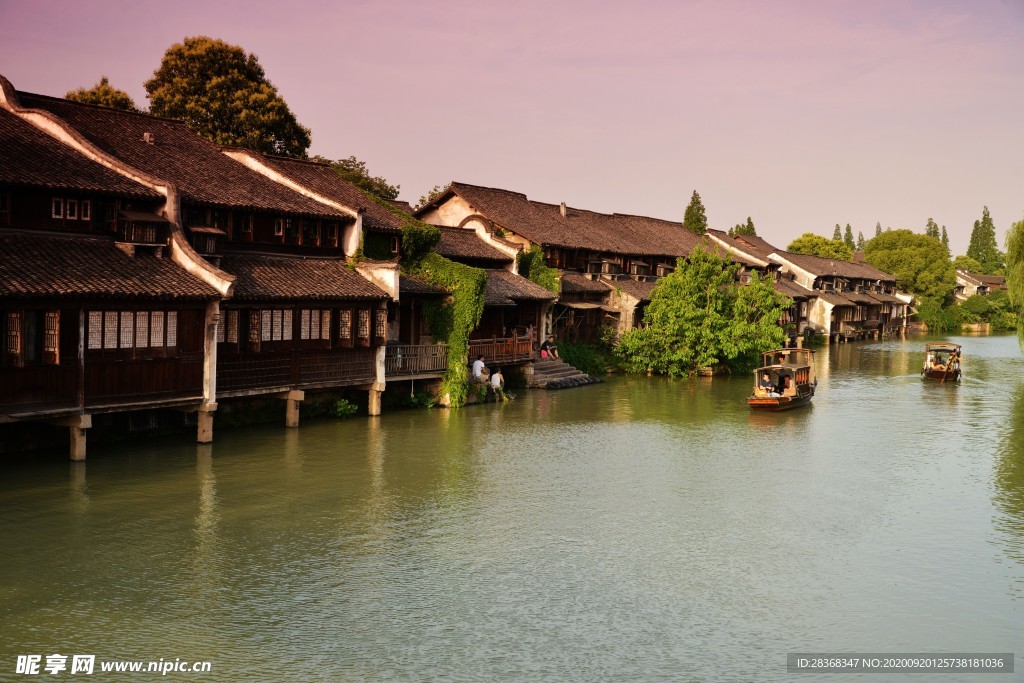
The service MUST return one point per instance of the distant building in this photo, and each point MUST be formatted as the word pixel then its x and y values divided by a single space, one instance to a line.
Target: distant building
pixel 968 284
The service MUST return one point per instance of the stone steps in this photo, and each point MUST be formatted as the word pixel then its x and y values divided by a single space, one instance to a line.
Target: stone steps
pixel 557 374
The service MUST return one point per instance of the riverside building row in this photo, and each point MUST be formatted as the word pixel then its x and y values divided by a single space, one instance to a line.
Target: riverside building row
pixel 145 270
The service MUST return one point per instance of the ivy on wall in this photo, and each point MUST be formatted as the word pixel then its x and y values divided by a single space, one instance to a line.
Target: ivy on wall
pixel 532 267
pixel 453 321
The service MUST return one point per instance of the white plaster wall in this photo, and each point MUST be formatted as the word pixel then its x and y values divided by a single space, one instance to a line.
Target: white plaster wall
pixel 384 275
pixel 450 213
pixel 820 316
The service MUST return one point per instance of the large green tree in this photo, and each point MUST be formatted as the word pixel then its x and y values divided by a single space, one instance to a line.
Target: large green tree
pixel 837 234
pixel 816 245
pixel 1015 274
pixel 743 228
pixel 356 172
pixel 945 238
pixel 966 263
pixel 700 316
pixel 983 247
pixel 104 95
pixel 694 218
pixel 931 228
pixel 222 93
pixel 919 263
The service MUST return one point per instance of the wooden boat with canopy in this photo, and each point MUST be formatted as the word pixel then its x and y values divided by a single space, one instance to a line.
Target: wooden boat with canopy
pixel 785 380
pixel 942 362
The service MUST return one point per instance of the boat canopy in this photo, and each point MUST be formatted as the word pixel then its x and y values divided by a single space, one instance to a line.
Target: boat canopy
pixel 942 347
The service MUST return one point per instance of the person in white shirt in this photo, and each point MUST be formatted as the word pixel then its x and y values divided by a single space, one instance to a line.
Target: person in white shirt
pixel 498 383
pixel 480 373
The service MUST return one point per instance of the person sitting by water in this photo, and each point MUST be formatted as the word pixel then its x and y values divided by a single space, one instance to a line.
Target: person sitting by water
pixel 768 385
pixel 480 373
pixel 548 349
pixel 498 383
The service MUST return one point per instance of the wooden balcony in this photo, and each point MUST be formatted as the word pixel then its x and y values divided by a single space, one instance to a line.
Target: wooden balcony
pixel 404 361
pixel 502 350
pixel 253 373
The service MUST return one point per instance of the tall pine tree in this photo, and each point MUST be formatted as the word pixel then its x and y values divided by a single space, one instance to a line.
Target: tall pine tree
pixel 848 238
pixel 837 235
pixel 878 228
pixel 931 229
pixel 945 238
pixel 983 247
pixel 694 219
pixel 860 241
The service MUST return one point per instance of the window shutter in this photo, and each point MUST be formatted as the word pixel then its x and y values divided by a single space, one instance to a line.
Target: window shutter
pixel 381 330
pixel 255 330
pixel 51 338
pixel 345 327
pixel 364 327
pixel 13 351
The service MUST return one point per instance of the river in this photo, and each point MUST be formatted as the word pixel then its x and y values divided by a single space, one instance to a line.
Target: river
pixel 644 529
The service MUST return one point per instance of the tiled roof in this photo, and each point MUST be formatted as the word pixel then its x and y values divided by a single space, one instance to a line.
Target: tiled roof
pixel 265 277
pixel 748 244
pixel 322 179
pixel 818 266
pixel 835 298
pixel 459 243
pixel 199 169
pixel 882 297
pixel 638 289
pixel 34 264
pixel 792 289
pixel 577 283
pixel 506 289
pixel 992 281
pixel 414 285
pixel 30 157
pixel 402 205
pixel 578 229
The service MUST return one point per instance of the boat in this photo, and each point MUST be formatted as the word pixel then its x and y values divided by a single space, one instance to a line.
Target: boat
pixel 942 362
pixel 790 380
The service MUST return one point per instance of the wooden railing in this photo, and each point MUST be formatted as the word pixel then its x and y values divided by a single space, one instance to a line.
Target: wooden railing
pixel 502 349
pixel 415 359
pixel 296 368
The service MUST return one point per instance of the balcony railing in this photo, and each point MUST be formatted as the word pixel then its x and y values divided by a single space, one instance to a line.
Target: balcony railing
pixel 498 350
pixel 415 359
pixel 296 368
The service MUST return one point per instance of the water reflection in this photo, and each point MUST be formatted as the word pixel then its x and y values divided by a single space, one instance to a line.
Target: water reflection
pixel 1009 483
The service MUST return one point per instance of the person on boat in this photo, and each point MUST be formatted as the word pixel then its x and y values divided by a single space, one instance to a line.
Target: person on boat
pixel 768 385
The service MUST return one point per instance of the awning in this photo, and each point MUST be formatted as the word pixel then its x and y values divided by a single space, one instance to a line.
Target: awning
pixel 205 230
pixel 142 217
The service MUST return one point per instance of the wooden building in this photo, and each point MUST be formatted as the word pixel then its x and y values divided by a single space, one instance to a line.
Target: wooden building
pixel 95 317
pixel 968 284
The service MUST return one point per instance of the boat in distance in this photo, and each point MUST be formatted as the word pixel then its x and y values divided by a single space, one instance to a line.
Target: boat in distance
pixel 942 362
pixel 785 380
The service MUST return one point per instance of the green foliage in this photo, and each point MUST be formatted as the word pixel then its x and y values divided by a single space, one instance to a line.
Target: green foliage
pixel 919 263
pixel 945 239
pixel 816 245
pixel 694 219
pixel 1015 274
pixel 966 263
pixel 452 321
pixel 848 238
pixel 699 316
pixel 223 94
pixel 354 171
pixel 377 246
pixel 532 267
pixel 589 358
pixel 104 95
pixel 837 234
pixel 743 229
pixel 344 408
pixel 418 238
pixel 434 193
pixel 983 247
pixel 931 229
pixel 860 241
pixel 938 318
pixel 878 229
pixel 421 399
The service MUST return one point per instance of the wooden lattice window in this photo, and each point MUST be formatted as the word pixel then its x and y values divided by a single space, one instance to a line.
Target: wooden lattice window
pixel 381 330
pixel 86 210
pixel 95 329
pixel 57 208
pixel 276 325
pixel 51 338
pixel 227 329
pixel 363 329
pixel 12 339
pixel 345 326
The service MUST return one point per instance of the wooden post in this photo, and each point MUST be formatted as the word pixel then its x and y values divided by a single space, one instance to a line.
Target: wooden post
pixel 292 400
pixel 376 391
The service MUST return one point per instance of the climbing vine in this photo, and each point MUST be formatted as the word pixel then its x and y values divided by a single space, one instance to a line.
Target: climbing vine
pixel 418 238
pixel 532 266
pixel 453 321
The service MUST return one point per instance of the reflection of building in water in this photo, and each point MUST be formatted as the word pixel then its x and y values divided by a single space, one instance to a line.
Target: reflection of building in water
pixel 1009 486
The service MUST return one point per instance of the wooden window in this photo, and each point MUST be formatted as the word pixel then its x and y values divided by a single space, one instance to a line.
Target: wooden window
pixel 156 328
pixel 382 324
pixel 51 338
pixel 110 329
pixel 276 325
pixel 172 329
pixel 255 330
pixel 12 339
pixel 227 330
pixel 345 326
pixel 141 330
pixel 314 324
pixel 95 329
pixel 127 339
pixel 57 208
pixel 247 224
pixel 279 227
pixel 325 325
pixel 86 210
pixel 395 243
pixel 332 234
pixel 363 328
pixel 71 209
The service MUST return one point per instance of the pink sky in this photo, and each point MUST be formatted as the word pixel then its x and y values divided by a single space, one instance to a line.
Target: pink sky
pixel 798 114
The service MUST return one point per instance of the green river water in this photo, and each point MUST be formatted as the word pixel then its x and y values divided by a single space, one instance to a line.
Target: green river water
pixel 643 529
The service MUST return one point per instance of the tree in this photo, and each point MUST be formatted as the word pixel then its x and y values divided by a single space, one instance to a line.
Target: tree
pixel 878 228
pixel 694 219
pixel 945 239
pixel 104 95
pixel 743 229
pixel 966 263
pixel 931 229
pixel 848 238
pixel 430 196
pixel 837 235
pixel 816 245
pixel 354 171
pixel 919 263
pixel 700 316
pixel 223 94
pixel 1015 274
pixel 860 241
pixel 983 247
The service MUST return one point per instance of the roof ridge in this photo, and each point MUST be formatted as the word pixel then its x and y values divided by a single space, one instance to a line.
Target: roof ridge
pixel 89 105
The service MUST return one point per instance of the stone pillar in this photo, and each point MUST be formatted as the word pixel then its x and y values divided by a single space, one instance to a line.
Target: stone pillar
pixel 76 424
pixel 204 429
pixel 799 341
pixel 376 391
pixel 292 400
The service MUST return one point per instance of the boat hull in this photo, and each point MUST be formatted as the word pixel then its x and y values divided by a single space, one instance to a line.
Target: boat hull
pixel 940 376
pixel 777 403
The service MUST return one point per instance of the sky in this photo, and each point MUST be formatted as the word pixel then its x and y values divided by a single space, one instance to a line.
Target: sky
pixel 799 115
